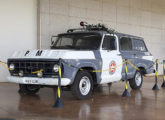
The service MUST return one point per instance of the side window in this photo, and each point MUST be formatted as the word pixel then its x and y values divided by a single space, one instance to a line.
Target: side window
pixel 109 43
pixel 139 45
pixel 125 43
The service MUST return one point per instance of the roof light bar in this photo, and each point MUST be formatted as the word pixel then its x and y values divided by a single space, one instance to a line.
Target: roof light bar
pixel 91 27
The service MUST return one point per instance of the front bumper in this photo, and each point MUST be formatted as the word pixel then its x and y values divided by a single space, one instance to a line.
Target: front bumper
pixel 39 81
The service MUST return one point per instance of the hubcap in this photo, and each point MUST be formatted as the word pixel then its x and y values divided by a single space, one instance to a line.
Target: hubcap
pixel 138 79
pixel 84 85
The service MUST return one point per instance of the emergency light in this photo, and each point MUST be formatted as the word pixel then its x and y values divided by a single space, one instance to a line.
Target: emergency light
pixel 82 23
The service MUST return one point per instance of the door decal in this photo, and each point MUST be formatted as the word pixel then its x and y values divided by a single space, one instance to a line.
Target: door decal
pixel 39 52
pixel 27 52
pixel 112 67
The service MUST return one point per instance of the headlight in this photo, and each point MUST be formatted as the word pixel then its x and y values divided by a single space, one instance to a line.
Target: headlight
pixel 20 73
pixel 39 74
pixel 55 68
pixel 11 66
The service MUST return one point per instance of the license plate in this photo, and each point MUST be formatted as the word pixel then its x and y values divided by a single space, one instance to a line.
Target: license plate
pixel 31 81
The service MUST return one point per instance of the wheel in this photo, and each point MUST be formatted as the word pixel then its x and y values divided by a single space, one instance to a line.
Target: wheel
pixel 28 89
pixel 83 85
pixel 137 81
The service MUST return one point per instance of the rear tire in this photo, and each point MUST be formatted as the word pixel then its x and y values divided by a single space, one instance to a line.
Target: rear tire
pixel 28 89
pixel 137 81
pixel 83 85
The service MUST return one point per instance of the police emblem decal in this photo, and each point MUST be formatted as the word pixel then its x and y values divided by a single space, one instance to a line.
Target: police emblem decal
pixel 112 67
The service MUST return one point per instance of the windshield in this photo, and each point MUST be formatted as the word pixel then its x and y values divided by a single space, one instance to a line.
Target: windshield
pixel 77 41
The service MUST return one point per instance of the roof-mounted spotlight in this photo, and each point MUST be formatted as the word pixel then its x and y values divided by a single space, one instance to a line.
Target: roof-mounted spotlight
pixel 82 23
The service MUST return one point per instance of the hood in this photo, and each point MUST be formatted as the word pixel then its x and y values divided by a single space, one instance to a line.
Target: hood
pixel 52 54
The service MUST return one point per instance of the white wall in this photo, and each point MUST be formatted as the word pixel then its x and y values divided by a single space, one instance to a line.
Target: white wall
pixel 145 18
pixel 18 28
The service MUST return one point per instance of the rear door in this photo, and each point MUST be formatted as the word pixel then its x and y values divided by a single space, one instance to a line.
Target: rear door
pixel 126 49
pixel 143 57
pixel 111 57
pixel 139 48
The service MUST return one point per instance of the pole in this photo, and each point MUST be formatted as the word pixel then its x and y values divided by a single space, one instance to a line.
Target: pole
pixel 155 87
pixel 58 103
pixel 163 84
pixel 126 93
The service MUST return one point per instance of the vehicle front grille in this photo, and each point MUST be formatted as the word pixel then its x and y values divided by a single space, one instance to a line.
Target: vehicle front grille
pixel 29 66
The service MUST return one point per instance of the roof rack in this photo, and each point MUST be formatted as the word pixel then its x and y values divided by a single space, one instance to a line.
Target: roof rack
pixel 91 27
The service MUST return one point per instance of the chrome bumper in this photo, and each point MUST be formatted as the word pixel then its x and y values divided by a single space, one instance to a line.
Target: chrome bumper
pixel 39 81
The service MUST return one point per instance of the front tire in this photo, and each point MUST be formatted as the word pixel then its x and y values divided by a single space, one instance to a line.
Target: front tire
pixel 83 85
pixel 28 89
pixel 137 81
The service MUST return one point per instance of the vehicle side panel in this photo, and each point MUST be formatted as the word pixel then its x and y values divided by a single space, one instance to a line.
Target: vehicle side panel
pixel 137 58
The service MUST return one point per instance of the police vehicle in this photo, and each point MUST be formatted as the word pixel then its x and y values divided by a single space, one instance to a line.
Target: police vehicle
pixel 90 55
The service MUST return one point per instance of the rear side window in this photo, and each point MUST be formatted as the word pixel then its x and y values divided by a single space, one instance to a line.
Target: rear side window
pixel 125 43
pixel 109 43
pixel 139 45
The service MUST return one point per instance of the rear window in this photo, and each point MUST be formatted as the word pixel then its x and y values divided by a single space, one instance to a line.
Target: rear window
pixel 125 44
pixel 139 45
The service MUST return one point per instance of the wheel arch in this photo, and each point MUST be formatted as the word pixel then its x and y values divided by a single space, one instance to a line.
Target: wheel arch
pixel 142 70
pixel 90 70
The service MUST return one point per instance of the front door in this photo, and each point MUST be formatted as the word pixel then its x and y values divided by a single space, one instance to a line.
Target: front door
pixel 111 57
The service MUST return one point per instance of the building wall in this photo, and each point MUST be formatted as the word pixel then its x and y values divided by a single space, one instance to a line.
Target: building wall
pixel 145 18
pixel 18 28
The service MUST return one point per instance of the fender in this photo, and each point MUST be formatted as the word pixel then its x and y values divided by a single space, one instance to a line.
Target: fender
pixel 70 72
pixel 146 64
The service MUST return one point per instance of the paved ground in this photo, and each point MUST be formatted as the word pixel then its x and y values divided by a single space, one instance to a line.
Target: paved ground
pixel 105 104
